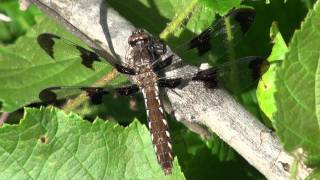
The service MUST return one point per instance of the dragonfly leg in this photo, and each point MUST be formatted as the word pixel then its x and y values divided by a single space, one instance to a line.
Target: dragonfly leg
pixel 127 90
pixel 125 70
pixel 170 83
pixel 159 65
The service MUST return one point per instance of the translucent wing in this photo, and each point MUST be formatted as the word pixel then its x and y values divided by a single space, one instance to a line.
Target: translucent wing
pixel 48 41
pixel 95 94
pixel 236 23
pixel 235 76
pixel 225 31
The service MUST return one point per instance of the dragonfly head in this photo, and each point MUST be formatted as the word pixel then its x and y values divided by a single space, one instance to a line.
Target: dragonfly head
pixel 139 36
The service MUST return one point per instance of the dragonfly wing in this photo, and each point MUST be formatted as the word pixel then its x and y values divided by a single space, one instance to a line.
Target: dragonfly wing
pixel 235 24
pixel 95 94
pixel 236 75
pixel 52 94
pixel 216 41
pixel 239 75
pixel 47 41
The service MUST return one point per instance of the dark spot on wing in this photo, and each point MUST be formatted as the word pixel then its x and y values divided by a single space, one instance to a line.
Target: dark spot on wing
pixel 46 42
pixel 88 57
pixel 211 84
pixel 95 94
pixel 124 70
pixel 258 67
pixel 245 18
pixel 170 83
pixel 129 90
pixel 201 42
pixel 205 75
pixel 240 18
pixel 48 96
pixel 208 76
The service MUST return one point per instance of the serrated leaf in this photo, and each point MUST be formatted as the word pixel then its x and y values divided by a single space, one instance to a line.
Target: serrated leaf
pixel 267 87
pixel 297 121
pixel 25 69
pixel 48 144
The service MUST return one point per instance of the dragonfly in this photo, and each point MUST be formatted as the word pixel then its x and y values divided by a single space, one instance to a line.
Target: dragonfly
pixel 147 59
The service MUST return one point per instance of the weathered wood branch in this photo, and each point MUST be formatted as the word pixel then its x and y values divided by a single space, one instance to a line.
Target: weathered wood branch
pixel 105 30
pixel 4 18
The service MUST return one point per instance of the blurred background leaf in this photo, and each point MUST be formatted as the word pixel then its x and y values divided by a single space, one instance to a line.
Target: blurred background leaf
pixel 20 21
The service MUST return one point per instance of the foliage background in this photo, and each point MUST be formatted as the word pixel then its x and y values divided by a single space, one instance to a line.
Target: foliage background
pixel 47 143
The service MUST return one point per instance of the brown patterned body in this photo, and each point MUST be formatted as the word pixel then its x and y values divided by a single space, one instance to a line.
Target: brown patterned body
pixel 158 128
pixel 140 59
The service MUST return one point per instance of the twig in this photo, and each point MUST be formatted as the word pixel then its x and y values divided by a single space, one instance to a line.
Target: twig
pixel 94 21
pixel 24 4
pixel 73 104
pixel 4 18
pixel 178 20
pixel 4 116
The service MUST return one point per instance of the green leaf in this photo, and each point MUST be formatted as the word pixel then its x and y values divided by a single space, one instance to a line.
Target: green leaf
pixel 314 175
pixel 309 3
pixel 298 103
pixel 25 69
pixel 20 22
pixel 267 87
pixel 48 144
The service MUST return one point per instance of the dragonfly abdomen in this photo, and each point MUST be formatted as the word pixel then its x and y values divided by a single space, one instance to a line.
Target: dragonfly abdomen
pixel 159 128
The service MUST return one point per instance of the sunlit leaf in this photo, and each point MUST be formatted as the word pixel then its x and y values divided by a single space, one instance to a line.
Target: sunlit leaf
pixel 48 143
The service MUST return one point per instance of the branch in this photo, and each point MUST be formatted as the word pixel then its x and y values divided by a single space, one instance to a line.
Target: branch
pixel 4 18
pixel 3 117
pixel 24 4
pixel 93 21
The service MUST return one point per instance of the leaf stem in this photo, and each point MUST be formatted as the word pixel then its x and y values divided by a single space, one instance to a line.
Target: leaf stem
pixel 76 102
pixel 4 116
pixel 231 53
pixel 178 20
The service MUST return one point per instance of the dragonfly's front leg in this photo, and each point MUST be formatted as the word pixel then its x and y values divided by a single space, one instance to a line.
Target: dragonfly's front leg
pixel 125 70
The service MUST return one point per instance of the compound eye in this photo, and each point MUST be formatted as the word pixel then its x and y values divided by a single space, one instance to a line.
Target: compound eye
pixel 132 43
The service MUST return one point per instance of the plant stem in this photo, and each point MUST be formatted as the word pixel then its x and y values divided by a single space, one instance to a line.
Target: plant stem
pixel 4 116
pixel 180 18
pixel 72 104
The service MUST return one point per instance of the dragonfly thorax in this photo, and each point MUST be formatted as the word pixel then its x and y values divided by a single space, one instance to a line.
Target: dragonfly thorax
pixel 146 77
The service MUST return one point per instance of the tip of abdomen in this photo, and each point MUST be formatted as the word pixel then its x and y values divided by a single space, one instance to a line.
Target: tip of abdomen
pixel 167 167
